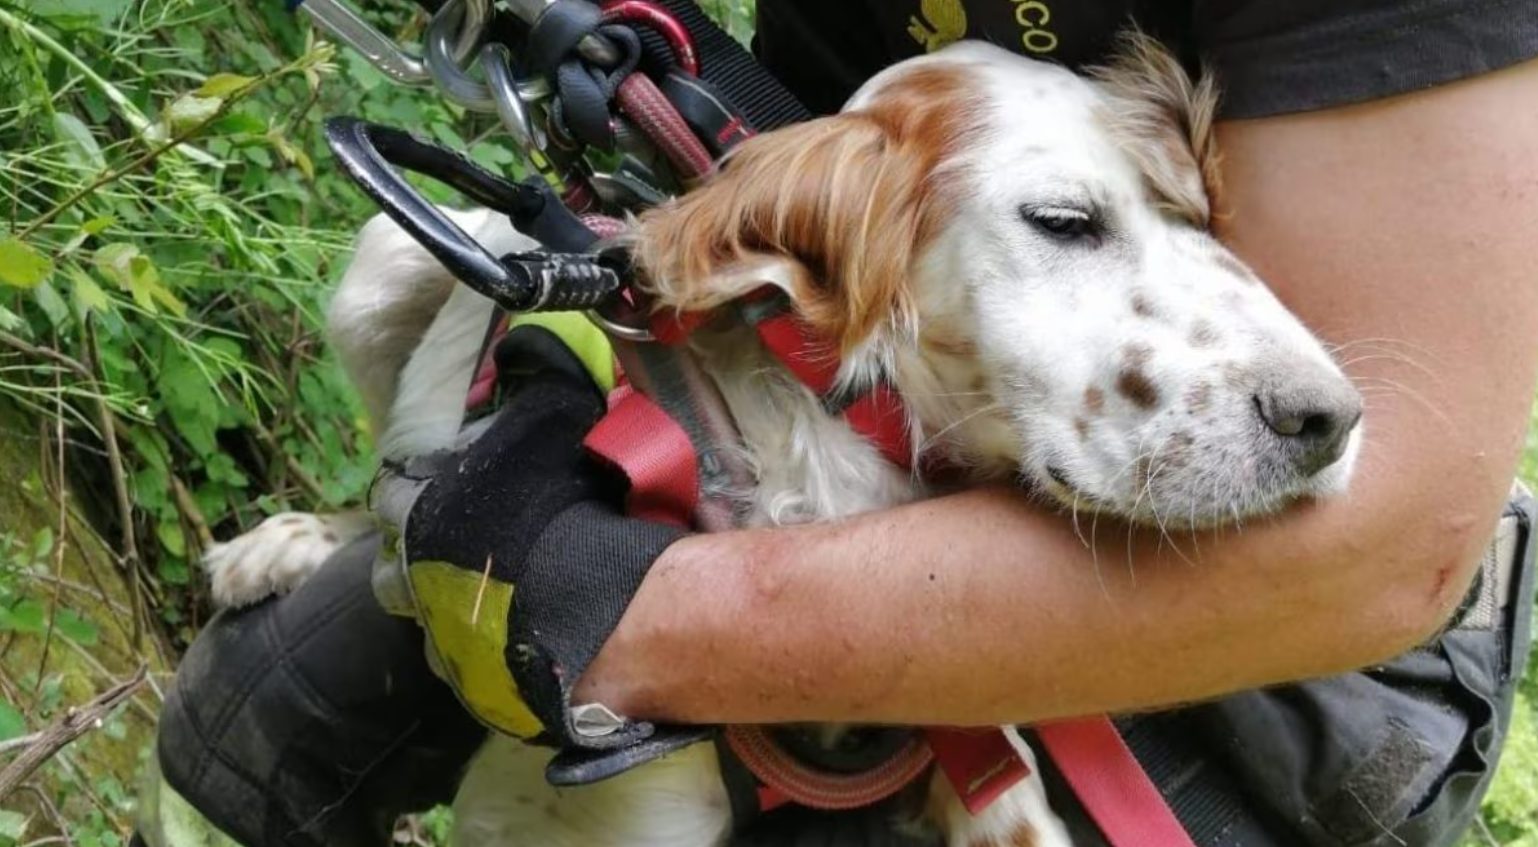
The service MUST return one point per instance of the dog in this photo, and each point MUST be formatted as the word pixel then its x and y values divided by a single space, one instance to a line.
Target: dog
pixel 1022 252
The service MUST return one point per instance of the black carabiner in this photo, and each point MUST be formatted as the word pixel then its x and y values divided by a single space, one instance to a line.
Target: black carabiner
pixel 368 152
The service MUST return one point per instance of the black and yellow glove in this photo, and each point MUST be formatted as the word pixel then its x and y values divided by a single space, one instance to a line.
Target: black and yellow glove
pixel 521 563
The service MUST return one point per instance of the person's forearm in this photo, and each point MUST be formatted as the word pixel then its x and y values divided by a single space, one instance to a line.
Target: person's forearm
pixel 1404 231
pixel 921 615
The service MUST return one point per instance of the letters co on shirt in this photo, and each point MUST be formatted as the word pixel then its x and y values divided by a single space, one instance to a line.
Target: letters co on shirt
pixel 940 22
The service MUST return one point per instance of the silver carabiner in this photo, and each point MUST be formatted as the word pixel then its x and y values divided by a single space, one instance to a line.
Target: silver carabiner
pixel 340 22
pixel 444 38
pixel 511 96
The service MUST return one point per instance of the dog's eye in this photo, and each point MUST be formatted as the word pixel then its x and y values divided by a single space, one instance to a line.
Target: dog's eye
pixel 1061 222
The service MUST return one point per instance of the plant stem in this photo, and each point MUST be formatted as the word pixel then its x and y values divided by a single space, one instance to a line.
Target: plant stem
pixel 130 112
pixel 149 156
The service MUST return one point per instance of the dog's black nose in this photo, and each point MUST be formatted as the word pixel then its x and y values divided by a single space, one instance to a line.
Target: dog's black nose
pixel 1314 417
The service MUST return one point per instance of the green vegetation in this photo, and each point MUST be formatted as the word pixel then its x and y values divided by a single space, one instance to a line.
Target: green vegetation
pixel 172 227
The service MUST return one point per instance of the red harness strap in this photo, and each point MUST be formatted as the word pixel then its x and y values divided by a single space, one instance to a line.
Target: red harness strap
pixel 877 415
pixel 1111 785
pixel 653 452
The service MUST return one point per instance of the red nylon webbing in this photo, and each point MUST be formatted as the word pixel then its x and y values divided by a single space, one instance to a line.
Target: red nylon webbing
pixel 653 452
pixel 1111 784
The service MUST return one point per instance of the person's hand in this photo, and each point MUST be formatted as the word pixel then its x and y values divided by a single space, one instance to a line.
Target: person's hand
pixel 521 562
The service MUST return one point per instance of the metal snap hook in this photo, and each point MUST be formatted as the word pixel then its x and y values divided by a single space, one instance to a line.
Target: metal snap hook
pixel 443 40
pixel 339 21
pixel 511 98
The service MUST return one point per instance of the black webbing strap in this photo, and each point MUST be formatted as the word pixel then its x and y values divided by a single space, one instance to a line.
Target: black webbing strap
pixel 731 69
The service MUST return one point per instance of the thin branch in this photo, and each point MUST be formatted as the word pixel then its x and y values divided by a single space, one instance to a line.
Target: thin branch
pixel 130 548
pixel 306 481
pixel 75 723
pixel 53 815
pixel 130 112
pixel 48 353
pixel 189 509
pixel 60 544
pixel 27 740
pixel 149 156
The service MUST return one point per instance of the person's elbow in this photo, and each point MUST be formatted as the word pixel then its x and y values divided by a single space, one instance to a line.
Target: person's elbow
pixel 1412 561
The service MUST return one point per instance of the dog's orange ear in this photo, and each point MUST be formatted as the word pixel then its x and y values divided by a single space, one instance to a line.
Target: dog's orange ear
pixel 832 211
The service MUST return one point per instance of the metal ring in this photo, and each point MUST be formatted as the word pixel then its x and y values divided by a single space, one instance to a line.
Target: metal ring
pixel 511 97
pixel 477 12
pixel 456 85
pixel 623 332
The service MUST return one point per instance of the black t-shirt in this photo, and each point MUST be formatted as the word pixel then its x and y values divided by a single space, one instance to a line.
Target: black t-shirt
pixel 1271 56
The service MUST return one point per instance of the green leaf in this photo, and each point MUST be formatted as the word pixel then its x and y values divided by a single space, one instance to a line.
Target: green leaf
pixel 12 724
pixel 97 225
pixel 136 274
pixel 223 85
pixel 241 123
pixel 189 110
pixel 52 304
pixel 20 265
pixel 76 628
pixel 171 537
pixel 87 295
pixel 13 826
pixel 42 543
pixel 84 152
pixel 79 11
pixel 26 615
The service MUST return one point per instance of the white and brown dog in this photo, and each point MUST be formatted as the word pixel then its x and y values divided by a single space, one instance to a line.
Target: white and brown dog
pixel 1022 252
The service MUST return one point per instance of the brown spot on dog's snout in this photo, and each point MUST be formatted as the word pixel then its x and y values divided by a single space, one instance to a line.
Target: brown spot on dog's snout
pixel 1081 426
pixel 1135 354
pixel 1142 306
pixel 1178 449
pixel 1203 334
pixel 1094 400
pixel 1199 397
pixel 1133 384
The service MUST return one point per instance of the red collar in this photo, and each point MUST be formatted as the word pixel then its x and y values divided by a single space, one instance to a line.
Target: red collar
pixel 877 415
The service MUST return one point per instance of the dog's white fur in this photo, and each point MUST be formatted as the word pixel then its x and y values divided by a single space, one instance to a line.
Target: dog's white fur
pixel 1116 373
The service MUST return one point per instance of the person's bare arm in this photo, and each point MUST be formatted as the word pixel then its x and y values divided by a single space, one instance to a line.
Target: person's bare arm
pixel 1404 230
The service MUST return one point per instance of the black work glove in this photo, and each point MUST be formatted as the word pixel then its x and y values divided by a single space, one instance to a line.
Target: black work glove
pixel 521 562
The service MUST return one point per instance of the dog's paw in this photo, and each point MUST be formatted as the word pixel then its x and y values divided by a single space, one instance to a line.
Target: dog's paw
pixel 277 556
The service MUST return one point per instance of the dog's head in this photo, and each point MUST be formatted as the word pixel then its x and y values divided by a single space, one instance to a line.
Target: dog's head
pixel 1025 253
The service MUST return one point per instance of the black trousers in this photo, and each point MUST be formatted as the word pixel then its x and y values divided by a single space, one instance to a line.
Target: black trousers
pixel 314 719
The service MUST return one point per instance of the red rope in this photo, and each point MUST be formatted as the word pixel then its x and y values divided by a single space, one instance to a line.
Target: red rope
pixel 640 98
pixel 821 789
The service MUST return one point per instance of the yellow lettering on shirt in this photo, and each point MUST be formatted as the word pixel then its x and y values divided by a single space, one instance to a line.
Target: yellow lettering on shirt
pixel 1033 16
pixel 938 23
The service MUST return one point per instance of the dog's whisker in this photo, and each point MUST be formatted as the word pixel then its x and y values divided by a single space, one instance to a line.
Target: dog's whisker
pixel 1391 357
pixel 932 439
pixel 1406 391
